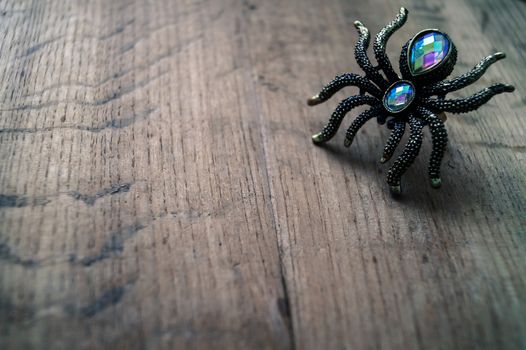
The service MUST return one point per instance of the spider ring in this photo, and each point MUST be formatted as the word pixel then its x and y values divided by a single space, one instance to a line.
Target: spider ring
pixel 417 98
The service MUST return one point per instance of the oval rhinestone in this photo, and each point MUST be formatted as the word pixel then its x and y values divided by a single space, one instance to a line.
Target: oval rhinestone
pixel 427 51
pixel 399 96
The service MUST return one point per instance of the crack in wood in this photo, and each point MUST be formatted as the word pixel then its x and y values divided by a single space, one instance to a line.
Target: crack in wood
pixel 16 201
pixel 7 254
pixel 109 298
pixel 114 245
pixel 116 95
pixel 39 46
pixel 91 199
pixel 109 125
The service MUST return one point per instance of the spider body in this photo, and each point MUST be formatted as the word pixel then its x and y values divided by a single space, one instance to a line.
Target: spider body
pixel 416 98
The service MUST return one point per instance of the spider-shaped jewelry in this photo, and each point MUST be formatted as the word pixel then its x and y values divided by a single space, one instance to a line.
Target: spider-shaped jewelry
pixel 426 60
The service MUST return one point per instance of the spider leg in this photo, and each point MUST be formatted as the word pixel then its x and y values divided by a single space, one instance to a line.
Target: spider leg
pixel 380 43
pixel 359 122
pixel 404 161
pixel 393 141
pixel 360 52
pixel 341 81
pixel 339 113
pixel 439 139
pixel 464 80
pixel 467 104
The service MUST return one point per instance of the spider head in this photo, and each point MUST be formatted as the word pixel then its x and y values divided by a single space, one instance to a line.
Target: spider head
pixel 428 57
pixel 399 96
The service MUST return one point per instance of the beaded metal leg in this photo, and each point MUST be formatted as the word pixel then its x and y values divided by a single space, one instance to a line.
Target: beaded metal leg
pixel 439 140
pixel 380 43
pixel 464 80
pixel 360 52
pixel 404 161
pixel 341 81
pixel 337 116
pixel 393 141
pixel 358 123
pixel 468 104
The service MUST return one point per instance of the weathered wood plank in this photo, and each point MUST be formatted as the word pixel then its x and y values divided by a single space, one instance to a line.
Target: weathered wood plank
pixel 159 189
pixel 437 269
pixel 134 198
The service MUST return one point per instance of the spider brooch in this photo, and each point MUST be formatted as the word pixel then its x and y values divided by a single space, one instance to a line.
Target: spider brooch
pixel 417 99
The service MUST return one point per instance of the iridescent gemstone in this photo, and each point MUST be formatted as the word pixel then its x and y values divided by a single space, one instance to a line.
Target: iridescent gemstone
pixel 427 51
pixel 399 96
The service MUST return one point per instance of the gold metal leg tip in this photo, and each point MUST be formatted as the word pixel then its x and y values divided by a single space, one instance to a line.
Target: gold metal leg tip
pixel 314 100
pixel 436 182
pixel 383 160
pixel 395 190
pixel 318 138
pixel 500 55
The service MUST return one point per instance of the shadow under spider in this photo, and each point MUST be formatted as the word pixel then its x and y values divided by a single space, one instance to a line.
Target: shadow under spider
pixel 466 189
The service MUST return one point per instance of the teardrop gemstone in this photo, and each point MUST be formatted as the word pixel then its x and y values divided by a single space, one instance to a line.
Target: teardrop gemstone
pixel 427 51
pixel 399 96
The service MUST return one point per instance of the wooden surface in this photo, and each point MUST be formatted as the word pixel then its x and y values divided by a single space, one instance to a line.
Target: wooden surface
pixel 159 189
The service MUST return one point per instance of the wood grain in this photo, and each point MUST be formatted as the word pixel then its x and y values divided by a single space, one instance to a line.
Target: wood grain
pixel 159 189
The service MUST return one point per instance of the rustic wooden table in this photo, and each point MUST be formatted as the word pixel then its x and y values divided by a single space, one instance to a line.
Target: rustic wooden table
pixel 159 188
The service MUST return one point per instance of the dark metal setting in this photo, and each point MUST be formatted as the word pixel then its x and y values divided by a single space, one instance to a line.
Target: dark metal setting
pixel 425 109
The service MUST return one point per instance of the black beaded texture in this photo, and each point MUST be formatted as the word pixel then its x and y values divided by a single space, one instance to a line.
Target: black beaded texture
pixel 427 106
